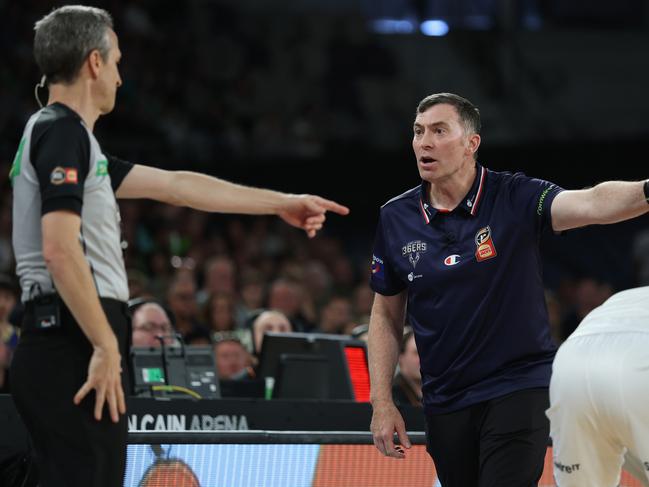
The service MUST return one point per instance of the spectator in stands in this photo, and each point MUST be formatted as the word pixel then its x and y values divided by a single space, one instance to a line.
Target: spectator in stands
pixel 4 368
pixel 554 316
pixel 220 278
pixel 9 334
pixel 150 322
pixel 199 336
pixel 362 302
pixel 233 362
pixel 317 280
pixel 181 298
pixel 269 321
pixel 336 316
pixel 406 388
pixel 589 294
pixel 286 296
pixel 219 312
pixel 253 294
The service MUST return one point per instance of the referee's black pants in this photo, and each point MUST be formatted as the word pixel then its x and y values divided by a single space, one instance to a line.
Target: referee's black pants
pixel 72 449
pixel 497 443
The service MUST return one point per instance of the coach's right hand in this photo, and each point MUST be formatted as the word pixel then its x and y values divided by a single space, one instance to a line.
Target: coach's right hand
pixel 104 376
pixel 386 419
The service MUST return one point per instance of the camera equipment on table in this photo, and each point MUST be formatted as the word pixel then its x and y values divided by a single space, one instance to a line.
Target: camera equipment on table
pixel 174 371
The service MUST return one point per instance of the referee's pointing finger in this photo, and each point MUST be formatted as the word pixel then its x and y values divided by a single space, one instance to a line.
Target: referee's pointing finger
pixel 333 206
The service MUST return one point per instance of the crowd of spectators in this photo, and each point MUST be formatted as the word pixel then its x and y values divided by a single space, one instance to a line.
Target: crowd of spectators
pixel 226 280
pixel 236 86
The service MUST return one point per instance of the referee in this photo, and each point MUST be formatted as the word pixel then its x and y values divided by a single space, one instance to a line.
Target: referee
pixel 68 376
pixel 459 254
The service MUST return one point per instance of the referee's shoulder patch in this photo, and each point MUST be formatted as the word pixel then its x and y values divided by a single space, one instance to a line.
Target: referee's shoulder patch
pixel 64 175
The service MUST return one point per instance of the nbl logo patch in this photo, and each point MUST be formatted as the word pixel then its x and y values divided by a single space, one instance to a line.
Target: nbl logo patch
pixel 63 175
pixel 485 248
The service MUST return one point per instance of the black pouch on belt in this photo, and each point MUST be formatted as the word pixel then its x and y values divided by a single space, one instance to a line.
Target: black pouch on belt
pixel 47 311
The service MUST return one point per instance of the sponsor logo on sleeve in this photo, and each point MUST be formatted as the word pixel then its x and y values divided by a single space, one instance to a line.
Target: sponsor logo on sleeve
pixel 377 267
pixel 64 175
pixel 485 248
pixel 102 167
pixel 544 194
pixel 566 468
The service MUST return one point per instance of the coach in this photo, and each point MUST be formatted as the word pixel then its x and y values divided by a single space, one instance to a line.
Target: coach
pixel 460 254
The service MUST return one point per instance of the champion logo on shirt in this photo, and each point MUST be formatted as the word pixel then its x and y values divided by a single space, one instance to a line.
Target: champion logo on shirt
pixel 452 260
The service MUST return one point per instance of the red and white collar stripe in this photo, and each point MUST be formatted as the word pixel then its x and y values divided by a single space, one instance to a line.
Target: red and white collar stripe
pixel 423 210
pixel 480 190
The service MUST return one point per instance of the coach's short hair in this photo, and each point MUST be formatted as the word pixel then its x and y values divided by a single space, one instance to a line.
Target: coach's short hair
pixel 468 113
pixel 66 36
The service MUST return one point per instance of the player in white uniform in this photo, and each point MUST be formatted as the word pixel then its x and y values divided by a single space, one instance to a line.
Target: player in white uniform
pixel 599 395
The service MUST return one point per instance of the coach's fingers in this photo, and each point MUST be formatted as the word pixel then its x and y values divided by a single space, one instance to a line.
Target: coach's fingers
pixel 401 433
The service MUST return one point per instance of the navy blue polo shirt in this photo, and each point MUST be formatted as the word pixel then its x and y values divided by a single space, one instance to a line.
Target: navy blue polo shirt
pixel 475 292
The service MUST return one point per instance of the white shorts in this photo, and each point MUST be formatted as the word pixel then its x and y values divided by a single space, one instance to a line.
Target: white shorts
pixel 599 408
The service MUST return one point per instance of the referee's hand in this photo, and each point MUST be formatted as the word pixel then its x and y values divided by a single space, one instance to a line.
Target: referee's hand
pixel 386 420
pixel 104 376
pixel 308 212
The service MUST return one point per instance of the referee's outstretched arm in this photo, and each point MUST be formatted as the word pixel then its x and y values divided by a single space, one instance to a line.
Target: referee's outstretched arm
pixel 207 193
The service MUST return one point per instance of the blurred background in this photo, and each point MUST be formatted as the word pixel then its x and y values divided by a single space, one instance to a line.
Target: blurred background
pixel 319 96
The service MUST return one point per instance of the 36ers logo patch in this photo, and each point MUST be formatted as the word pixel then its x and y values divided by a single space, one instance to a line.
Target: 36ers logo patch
pixel 485 248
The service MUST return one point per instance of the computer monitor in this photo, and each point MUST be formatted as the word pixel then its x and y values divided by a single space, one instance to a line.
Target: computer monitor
pixel 315 365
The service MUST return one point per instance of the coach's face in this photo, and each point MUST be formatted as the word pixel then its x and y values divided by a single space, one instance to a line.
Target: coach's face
pixel 442 146
pixel 109 79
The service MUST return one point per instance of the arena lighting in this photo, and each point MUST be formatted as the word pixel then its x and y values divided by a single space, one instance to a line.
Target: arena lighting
pixel 393 26
pixel 434 28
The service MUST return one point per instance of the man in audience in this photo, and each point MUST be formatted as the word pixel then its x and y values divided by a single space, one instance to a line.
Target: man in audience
pixel 269 321
pixel 336 316
pixel 287 296
pixel 181 298
pixel 151 325
pixel 233 361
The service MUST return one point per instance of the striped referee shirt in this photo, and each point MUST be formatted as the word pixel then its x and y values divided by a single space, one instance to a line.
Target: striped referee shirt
pixel 59 165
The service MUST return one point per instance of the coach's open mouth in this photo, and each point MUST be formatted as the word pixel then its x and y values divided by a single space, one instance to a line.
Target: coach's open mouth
pixel 427 160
